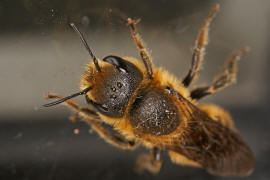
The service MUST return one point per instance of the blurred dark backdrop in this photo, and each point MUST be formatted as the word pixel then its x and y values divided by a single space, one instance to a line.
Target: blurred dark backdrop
pixel 39 53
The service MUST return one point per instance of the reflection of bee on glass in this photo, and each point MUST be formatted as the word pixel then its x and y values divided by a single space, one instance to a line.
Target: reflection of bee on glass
pixel 148 106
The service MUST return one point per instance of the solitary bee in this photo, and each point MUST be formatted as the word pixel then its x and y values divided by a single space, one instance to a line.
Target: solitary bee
pixel 147 105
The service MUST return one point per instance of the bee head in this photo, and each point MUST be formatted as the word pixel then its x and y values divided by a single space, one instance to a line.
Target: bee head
pixel 107 84
pixel 113 86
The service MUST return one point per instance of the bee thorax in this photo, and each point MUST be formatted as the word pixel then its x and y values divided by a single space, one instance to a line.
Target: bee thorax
pixel 154 113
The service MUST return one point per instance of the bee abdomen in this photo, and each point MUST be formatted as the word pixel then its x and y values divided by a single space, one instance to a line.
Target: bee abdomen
pixel 154 113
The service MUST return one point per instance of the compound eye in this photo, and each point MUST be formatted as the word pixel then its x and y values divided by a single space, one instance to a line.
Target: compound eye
pixel 169 89
pixel 118 62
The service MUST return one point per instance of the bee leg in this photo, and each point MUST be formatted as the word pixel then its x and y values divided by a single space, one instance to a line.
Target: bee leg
pixel 182 160
pixel 93 120
pixel 145 55
pixel 218 114
pixel 111 137
pixel 151 162
pixel 224 79
pixel 200 44
pixel 82 111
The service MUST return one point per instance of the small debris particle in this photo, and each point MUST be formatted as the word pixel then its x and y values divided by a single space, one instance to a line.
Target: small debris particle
pixel 76 131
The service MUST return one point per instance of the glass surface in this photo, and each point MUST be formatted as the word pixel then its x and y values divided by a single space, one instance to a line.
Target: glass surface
pixel 40 53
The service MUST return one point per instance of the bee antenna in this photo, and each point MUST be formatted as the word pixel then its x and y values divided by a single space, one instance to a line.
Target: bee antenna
pixel 66 98
pixel 86 45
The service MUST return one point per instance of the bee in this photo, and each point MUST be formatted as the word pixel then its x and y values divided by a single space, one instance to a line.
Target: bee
pixel 146 105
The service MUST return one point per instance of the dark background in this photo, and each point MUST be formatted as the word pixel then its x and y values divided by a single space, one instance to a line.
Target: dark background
pixel 39 53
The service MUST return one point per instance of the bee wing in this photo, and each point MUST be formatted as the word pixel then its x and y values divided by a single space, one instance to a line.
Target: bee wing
pixel 216 148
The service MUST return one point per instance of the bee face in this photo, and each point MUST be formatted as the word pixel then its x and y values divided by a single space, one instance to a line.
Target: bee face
pixel 115 86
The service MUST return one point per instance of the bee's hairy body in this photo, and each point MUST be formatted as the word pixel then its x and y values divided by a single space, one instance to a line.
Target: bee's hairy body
pixel 149 110
pixel 149 106
pixel 154 117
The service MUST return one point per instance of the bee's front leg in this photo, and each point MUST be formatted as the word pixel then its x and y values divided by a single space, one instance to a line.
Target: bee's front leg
pixel 95 122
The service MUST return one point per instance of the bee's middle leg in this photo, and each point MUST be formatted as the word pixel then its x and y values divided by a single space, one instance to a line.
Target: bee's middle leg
pixel 151 162
pixel 200 44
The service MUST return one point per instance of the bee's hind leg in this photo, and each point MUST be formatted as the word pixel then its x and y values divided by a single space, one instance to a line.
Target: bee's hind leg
pixel 224 79
pixel 182 160
pixel 218 114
